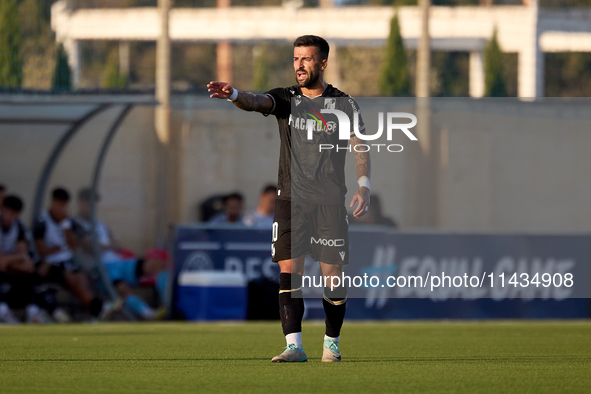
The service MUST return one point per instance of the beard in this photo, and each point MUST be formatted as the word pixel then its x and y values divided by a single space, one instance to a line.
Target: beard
pixel 312 78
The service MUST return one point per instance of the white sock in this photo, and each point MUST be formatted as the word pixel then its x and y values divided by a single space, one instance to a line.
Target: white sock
pixel 4 310
pixel 32 310
pixel 294 338
pixel 337 339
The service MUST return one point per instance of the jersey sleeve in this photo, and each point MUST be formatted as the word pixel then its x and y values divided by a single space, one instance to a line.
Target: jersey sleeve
pixel 281 102
pixel 351 109
pixel 39 229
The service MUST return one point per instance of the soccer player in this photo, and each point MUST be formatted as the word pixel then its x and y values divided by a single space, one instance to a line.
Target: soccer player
pixel 308 208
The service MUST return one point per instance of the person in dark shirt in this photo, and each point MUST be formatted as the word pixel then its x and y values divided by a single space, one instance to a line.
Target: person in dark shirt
pixel 310 216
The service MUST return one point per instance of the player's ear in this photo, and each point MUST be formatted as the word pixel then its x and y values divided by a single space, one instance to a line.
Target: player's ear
pixel 323 64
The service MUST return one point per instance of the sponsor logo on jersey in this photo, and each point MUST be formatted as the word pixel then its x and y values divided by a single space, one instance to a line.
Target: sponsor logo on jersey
pixel 314 124
pixel 342 254
pixel 332 127
pixel 330 103
pixel 327 242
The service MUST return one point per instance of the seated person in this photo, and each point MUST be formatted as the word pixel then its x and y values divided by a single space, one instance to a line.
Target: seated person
pixel 263 215
pixel 123 268
pixel 232 210
pixel 55 242
pixel 17 271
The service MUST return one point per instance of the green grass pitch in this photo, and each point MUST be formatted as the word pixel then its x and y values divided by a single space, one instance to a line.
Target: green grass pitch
pixel 406 357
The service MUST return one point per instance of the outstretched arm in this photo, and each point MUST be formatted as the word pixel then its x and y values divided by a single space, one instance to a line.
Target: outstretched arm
pixel 363 167
pixel 247 101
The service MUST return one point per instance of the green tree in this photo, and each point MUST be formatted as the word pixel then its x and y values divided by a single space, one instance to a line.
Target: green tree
pixel 62 79
pixel 494 80
pixel 11 68
pixel 261 70
pixel 395 78
pixel 112 78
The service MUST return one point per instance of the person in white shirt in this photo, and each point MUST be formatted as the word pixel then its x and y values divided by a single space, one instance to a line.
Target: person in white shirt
pixel 123 267
pixel 55 241
pixel 263 215
pixel 17 276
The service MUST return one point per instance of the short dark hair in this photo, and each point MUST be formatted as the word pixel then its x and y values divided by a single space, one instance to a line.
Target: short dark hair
pixel 60 194
pixel 2 188
pixel 233 196
pixel 13 202
pixel 269 189
pixel 85 194
pixel 313 41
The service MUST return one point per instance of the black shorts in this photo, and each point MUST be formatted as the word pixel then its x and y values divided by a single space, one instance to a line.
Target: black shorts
pixel 322 231
pixel 56 271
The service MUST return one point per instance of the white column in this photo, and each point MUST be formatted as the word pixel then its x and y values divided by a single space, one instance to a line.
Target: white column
pixel 72 48
pixel 476 76
pixel 424 52
pixel 224 52
pixel 530 67
pixel 124 58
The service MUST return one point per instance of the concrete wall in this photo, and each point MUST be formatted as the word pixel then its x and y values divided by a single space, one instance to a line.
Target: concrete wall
pixel 516 166
pixel 506 165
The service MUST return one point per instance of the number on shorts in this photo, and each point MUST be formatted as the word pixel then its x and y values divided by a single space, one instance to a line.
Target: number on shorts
pixel 275 235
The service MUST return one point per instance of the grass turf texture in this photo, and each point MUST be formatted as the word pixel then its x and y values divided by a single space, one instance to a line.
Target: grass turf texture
pixel 459 357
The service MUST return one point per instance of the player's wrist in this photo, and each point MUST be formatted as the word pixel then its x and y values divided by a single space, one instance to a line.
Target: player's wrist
pixel 363 181
pixel 234 95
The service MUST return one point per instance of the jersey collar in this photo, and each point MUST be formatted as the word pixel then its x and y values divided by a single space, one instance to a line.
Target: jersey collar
pixel 324 93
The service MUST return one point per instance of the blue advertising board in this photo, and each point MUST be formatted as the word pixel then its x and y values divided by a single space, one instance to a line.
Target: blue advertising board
pixel 498 275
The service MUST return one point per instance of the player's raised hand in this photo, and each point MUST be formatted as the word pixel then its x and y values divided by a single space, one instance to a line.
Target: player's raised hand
pixel 362 197
pixel 221 90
